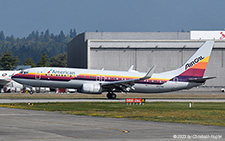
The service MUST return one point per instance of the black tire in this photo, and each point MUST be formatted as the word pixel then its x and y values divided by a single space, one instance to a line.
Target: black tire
pixel 109 96
pixel 113 96
pixel 31 92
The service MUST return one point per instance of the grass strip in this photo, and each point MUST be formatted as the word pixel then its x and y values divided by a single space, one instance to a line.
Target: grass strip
pixel 183 95
pixel 175 112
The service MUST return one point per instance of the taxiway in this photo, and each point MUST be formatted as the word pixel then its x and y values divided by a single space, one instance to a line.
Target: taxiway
pixel 103 100
pixel 18 124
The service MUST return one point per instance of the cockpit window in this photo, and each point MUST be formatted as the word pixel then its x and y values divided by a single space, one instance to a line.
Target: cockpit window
pixel 23 72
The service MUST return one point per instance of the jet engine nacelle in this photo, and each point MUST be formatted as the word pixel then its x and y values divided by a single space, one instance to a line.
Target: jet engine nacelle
pixel 93 88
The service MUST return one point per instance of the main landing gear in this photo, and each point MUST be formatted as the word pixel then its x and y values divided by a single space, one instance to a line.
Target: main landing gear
pixel 111 95
pixel 31 92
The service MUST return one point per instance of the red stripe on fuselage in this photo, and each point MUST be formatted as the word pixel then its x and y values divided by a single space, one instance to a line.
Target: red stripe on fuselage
pixel 193 72
pixel 83 77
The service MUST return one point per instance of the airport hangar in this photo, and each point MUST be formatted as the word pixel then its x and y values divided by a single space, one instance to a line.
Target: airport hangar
pixel 166 50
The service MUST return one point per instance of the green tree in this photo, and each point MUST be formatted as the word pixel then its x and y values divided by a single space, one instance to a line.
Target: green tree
pixel 47 35
pixel 29 62
pixel 59 60
pixel 2 36
pixel 73 33
pixel 7 61
pixel 35 44
pixel 61 36
pixel 44 61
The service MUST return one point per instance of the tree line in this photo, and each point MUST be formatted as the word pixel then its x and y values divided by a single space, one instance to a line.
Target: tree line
pixel 37 49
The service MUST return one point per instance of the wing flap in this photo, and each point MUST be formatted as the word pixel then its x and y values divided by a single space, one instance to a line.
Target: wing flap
pixel 126 85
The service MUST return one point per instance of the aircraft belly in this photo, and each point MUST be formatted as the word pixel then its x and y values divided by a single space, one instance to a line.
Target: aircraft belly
pixel 166 87
pixel 61 84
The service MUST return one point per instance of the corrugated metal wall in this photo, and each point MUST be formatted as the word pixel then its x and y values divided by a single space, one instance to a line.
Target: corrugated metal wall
pixel 118 51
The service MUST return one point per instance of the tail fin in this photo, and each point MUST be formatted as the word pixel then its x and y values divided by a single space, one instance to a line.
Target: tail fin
pixel 195 66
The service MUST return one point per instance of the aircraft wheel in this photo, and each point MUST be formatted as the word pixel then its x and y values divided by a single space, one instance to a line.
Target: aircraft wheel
pixel 111 95
pixel 31 92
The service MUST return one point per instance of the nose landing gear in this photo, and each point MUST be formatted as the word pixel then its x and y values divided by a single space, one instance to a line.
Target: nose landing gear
pixel 31 92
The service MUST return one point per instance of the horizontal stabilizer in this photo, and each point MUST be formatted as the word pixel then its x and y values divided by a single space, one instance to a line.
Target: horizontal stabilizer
pixel 200 80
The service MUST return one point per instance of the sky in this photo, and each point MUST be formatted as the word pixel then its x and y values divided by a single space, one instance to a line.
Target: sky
pixel 20 17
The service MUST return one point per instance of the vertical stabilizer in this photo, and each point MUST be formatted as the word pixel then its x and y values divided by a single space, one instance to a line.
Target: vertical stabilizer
pixel 195 66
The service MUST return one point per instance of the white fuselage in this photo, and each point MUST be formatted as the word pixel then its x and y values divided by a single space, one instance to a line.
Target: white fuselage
pixel 75 78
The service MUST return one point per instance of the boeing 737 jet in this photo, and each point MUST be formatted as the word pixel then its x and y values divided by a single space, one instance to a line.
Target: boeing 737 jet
pixel 189 75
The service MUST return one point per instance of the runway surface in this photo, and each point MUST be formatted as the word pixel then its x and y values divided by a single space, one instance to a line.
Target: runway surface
pixel 103 100
pixel 18 124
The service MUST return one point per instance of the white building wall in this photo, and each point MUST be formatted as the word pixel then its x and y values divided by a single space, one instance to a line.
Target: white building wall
pixel 205 35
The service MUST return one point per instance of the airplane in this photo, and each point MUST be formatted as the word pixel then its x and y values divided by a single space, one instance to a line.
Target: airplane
pixel 6 82
pixel 189 75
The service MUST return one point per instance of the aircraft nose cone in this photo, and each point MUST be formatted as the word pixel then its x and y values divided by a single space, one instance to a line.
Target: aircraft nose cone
pixel 15 76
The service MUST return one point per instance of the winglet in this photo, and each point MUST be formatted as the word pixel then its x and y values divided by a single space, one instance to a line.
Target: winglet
pixel 131 68
pixel 149 73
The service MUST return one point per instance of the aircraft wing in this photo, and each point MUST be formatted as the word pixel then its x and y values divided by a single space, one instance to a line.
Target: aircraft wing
pixel 126 85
